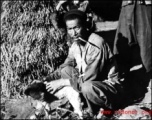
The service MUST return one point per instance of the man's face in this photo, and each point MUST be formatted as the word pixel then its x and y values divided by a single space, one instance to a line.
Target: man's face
pixel 74 28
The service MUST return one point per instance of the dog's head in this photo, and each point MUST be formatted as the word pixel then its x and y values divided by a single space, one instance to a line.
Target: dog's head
pixel 42 98
pixel 37 90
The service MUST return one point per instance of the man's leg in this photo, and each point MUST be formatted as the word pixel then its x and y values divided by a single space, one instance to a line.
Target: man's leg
pixel 99 94
pixel 68 72
pixel 72 74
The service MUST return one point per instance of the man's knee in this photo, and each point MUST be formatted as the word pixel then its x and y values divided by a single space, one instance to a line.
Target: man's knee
pixel 69 72
pixel 93 90
pixel 66 72
pixel 93 93
pixel 86 87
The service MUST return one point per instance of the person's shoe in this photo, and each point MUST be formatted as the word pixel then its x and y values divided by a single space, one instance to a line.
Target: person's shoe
pixel 104 114
pixel 88 115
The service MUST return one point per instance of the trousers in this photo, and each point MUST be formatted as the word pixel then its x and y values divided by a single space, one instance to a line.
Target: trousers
pixel 98 94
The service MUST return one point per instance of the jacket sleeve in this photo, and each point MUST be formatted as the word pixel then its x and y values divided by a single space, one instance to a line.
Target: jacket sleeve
pixel 95 62
pixel 101 65
pixel 97 59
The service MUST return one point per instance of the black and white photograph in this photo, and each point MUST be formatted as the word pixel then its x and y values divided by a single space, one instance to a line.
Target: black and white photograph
pixel 76 59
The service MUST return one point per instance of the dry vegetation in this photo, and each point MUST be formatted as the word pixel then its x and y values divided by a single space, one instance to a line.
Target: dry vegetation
pixel 32 44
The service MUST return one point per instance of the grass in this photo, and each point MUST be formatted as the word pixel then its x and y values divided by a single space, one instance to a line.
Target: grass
pixel 32 44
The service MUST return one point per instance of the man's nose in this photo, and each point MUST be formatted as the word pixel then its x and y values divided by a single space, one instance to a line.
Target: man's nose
pixel 73 32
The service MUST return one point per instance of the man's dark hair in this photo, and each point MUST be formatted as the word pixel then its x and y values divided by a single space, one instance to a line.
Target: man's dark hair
pixel 75 14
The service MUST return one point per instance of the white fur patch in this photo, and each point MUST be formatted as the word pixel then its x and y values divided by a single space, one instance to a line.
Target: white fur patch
pixel 73 97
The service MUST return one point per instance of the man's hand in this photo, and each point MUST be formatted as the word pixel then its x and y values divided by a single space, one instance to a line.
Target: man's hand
pixel 53 86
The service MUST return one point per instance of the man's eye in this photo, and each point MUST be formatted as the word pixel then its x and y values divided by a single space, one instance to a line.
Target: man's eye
pixel 69 30
pixel 77 28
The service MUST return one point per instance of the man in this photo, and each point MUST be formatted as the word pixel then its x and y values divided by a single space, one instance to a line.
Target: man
pixel 90 67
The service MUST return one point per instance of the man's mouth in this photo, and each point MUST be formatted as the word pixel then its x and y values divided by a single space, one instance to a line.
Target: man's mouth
pixel 75 37
pixel 79 38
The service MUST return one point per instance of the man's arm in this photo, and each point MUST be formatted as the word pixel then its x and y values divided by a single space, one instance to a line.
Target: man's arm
pixel 97 59
pixel 70 61
pixel 95 62
pixel 58 83
pixel 53 86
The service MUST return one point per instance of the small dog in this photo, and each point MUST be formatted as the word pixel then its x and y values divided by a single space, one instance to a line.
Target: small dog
pixel 41 98
pixel 37 90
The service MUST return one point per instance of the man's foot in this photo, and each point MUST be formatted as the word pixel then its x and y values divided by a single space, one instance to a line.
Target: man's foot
pixel 87 114
pixel 104 114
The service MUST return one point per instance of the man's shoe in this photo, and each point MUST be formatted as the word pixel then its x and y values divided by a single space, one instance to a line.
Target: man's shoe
pixel 88 115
